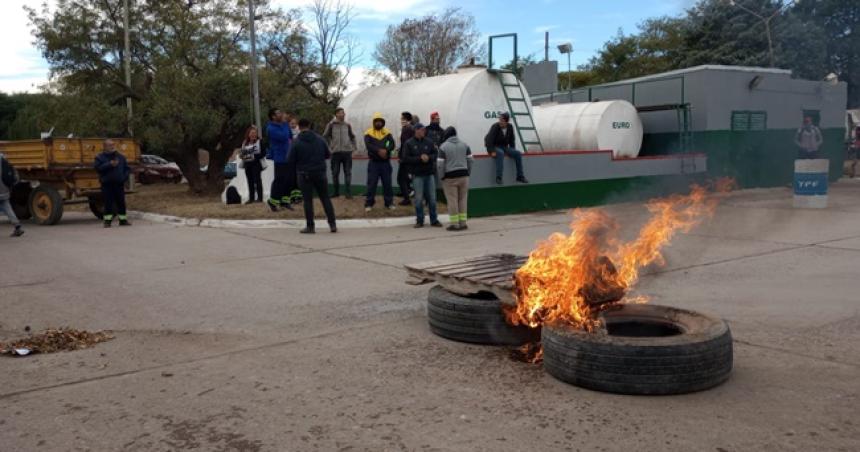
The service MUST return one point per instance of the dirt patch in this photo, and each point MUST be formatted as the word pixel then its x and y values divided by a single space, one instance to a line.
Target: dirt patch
pixel 56 340
pixel 176 200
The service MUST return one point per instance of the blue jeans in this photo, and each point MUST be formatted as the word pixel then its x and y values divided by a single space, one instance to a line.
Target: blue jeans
pixel 425 186
pixel 6 206
pixel 512 153
pixel 375 172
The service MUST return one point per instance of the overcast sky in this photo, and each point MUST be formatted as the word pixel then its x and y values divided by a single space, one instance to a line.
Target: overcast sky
pixel 585 23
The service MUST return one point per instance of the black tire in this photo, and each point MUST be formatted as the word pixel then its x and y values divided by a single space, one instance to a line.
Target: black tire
pixel 46 205
pixel 97 206
pixel 20 199
pixel 698 358
pixel 477 320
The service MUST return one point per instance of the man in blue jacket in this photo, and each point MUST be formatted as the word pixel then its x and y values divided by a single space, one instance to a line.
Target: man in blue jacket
pixel 113 173
pixel 280 137
pixel 309 153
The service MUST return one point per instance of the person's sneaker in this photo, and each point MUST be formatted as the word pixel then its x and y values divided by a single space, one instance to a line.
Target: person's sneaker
pixel 18 232
pixel 412 193
pixel 308 231
pixel 332 228
pixel 498 181
pixel 405 202
pixel 436 224
pixel 124 223
pixel 335 195
pixel 392 207
pixel 522 180
pixel 272 206
pixel 463 227
pixel 348 196
pixel 452 227
pixel 418 225
pixel 368 208
pixel 107 223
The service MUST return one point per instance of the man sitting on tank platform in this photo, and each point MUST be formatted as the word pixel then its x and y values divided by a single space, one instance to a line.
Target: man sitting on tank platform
pixel 501 141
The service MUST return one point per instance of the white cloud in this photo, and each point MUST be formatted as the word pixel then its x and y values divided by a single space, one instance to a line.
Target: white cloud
pixel 23 67
pixel 545 28
pixel 372 9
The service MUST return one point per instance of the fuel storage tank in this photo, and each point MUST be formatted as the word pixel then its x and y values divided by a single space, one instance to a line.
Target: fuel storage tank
pixel 470 100
pixel 590 126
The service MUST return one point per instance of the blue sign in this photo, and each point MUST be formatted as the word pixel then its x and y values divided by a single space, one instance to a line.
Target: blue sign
pixel 810 184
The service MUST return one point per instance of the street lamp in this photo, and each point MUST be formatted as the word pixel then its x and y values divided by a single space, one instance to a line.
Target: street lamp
pixel 766 22
pixel 567 48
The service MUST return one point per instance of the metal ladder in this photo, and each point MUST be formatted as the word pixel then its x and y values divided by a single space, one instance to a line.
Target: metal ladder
pixel 518 107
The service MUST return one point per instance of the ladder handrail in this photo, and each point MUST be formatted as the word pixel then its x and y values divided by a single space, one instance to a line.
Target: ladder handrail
pixel 513 114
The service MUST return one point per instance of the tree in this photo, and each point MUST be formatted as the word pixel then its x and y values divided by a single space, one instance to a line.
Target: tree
pixel 190 82
pixel 337 50
pixel 429 46
pixel 839 22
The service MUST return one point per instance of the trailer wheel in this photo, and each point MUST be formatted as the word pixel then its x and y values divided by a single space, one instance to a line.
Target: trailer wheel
pixel 21 201
pixel 46 205
pixel 97 206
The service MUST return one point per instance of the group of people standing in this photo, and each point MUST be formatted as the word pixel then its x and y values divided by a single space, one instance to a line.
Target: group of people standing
pixel 424 153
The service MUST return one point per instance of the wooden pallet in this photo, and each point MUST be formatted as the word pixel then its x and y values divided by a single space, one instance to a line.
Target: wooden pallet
pixel 467 276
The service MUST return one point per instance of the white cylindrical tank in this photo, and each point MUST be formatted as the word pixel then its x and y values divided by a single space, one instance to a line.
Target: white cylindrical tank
pixel 590 126
pixel 469 100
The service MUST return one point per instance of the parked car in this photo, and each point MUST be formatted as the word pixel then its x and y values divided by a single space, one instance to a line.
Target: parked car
pixel 156 169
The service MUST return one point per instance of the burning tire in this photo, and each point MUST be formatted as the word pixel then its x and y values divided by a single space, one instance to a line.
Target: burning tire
pixel 648 350
pixel 476 319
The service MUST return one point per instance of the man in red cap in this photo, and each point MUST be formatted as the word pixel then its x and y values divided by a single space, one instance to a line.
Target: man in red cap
pixel 434 130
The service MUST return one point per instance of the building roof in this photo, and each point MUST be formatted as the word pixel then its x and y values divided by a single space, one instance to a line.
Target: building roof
pixel 704 67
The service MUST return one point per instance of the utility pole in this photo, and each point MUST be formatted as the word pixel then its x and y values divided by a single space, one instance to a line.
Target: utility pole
pixel 127 64
pixel 255 80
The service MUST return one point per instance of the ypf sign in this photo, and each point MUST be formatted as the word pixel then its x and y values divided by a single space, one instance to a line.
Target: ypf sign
pixel 810 183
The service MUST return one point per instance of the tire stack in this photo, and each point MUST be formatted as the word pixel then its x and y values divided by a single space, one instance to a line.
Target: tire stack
pixel 695 356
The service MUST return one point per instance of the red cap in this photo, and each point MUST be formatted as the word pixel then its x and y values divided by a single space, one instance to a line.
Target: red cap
pixel 435 114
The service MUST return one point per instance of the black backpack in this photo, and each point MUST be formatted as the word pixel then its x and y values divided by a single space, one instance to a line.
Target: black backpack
pixel 10 178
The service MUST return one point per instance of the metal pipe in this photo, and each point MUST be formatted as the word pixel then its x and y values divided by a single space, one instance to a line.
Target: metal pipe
pixel 255 79
pixel 127 64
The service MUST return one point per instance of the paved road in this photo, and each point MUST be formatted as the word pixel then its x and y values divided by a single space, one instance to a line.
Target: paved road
pixel 267 340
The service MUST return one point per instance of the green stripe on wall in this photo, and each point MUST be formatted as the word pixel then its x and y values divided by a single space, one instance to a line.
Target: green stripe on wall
pixel 752 158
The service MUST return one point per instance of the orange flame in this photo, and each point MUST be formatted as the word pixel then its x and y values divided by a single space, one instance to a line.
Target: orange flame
pixel 571 278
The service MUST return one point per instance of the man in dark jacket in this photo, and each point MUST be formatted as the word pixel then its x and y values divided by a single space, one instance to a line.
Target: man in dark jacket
pixel 113 173
pixel 420 154
pixel 403 177
pixel 309 154
pixel 380 146
pixel 435 130
pixel 501 141
pixel 279 134
pixel 8 179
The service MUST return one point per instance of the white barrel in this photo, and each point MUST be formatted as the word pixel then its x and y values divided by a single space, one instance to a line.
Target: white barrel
pixel 590 126
pixel 470 100
pixel 810 183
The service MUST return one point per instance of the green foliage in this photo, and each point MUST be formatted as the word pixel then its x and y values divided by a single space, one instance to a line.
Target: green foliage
pixel 190 81
pixel 812 38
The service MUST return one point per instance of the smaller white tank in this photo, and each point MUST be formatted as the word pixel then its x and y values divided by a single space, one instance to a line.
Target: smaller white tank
pixel 590 126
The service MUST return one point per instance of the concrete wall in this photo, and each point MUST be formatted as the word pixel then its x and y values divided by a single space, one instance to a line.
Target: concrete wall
pixel 551 168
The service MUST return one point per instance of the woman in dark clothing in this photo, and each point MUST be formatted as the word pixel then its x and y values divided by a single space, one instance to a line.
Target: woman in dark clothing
pixel 252 157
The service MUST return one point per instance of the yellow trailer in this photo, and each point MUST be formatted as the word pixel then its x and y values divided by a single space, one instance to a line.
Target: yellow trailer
pixel 58 171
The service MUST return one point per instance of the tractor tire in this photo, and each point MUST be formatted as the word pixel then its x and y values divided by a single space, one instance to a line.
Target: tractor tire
pixel 648 350
pixel 46 205
pixel 477 320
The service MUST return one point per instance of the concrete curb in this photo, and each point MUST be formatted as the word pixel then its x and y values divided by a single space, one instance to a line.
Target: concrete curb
pixel 271 224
